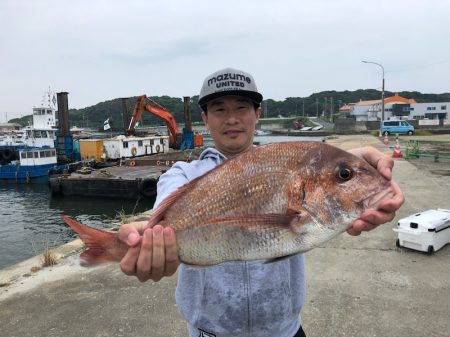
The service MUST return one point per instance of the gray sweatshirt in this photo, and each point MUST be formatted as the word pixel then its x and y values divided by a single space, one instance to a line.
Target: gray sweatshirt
pixel 231 299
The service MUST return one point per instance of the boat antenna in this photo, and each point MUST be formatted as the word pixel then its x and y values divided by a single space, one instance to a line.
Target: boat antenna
pixel 49 97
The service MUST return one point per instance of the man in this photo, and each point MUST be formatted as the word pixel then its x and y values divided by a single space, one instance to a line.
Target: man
pixel 250 298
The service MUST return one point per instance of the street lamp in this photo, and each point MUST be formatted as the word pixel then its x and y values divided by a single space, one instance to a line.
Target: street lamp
pixel 382 88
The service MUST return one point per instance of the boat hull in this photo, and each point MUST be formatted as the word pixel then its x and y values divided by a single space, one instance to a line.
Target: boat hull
pixel 25 174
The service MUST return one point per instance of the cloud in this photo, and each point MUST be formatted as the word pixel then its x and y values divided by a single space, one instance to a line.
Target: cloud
pixel 99 50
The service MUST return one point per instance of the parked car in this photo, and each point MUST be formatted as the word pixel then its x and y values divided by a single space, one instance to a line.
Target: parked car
pixel 396 126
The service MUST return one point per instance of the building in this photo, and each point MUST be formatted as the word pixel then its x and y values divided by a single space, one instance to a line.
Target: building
pixel 7 127
pixel 396 107
pixel 371 110
pixel 430 110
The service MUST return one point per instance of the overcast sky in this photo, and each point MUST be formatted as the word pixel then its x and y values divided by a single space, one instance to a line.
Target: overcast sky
pixel 100 50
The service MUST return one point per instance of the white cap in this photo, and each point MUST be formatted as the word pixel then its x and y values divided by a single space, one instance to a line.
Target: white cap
pixel 226 82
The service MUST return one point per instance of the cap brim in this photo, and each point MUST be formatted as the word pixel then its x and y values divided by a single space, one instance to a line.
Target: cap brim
pixel 254 96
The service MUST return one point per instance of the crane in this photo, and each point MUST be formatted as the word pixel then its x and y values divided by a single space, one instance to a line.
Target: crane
pixel 144 103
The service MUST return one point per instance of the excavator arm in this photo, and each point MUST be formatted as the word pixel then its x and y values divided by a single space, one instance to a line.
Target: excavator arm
pixel 146 104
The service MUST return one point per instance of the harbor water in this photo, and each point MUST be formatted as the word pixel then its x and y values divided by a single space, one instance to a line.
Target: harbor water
pixel 30 218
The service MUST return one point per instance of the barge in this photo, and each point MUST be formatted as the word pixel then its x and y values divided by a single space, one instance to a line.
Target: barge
pixel 110 182
pixel 131 178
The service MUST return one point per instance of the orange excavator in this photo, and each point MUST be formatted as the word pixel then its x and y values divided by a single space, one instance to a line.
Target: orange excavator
pixel 144 103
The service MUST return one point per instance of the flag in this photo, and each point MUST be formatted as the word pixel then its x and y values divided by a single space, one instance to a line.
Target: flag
pixel 106 125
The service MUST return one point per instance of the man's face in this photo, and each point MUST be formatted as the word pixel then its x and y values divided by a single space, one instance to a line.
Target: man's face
pixel 231 121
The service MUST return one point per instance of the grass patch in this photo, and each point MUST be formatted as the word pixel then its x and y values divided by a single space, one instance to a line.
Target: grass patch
pixel 48 258
pixel 124 218
pixel 419 132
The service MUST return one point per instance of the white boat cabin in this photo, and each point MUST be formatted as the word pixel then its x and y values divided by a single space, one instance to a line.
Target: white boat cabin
pixel 129 147
pixel 42 132
pixel 37 157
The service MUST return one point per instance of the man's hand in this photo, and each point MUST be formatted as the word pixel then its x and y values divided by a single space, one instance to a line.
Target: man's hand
pixel 380 161
pixel 153 252
pixel 370 219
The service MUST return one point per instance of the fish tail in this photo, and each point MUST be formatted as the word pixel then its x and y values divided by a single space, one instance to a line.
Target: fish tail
pixel 101 246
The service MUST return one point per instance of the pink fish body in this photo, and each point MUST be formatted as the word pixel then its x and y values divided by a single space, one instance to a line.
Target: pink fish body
pixel 273 201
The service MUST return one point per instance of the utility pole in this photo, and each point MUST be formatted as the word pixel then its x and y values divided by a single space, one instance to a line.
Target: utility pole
pixel 317 107
pixel 382 87
pixel 331 109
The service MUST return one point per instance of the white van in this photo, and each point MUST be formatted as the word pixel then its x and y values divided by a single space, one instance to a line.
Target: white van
pixel 426 231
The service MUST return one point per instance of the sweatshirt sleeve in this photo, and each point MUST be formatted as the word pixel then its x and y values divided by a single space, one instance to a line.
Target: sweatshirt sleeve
pixel 169 182
pixel 182 172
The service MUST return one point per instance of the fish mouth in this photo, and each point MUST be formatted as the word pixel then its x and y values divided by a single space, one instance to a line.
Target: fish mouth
pixel 373 200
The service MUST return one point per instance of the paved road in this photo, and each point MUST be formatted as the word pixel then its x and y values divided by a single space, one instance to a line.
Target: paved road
pixel 357 286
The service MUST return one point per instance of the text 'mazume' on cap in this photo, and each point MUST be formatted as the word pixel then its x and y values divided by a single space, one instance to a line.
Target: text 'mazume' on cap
pixel 229 81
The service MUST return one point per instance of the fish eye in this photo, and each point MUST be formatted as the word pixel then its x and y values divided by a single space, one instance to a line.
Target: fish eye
pixel 344 173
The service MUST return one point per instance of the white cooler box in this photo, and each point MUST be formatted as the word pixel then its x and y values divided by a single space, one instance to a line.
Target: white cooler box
pixel 426 231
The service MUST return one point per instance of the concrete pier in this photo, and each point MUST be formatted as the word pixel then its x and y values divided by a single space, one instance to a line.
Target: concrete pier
pixel 357 286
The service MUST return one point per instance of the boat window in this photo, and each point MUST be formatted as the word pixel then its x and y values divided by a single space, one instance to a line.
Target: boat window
pixel 37 134
pixel 30 154
pixel 152 141
pixel 140 143
pixel 42 154
pixel 36 154
pixel 49 112
pixel 53 153
pixel 125 145
pixel 23 155
pixel 161 141
pixel 51 134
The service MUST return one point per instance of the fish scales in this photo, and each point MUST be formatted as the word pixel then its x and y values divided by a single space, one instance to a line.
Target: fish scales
pixel 273 201
pixel 252 177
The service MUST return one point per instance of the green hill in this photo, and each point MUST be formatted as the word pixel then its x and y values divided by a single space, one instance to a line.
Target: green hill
pixel 95 115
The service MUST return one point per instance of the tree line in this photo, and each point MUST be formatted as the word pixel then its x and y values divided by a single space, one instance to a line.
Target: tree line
pixel 327 102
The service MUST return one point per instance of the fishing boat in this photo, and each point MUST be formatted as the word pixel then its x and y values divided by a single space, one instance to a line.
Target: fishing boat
pixel 27 155
pixel 32 165
pixel 40 134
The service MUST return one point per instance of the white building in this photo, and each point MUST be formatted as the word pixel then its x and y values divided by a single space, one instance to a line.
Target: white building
pixel 430 110
pixel 396 107
pixel 371 110
pixel 8 127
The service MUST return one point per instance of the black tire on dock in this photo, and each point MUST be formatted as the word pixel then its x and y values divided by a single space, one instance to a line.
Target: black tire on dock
pixel 147 187
pixel 55 185
pixel 7 155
